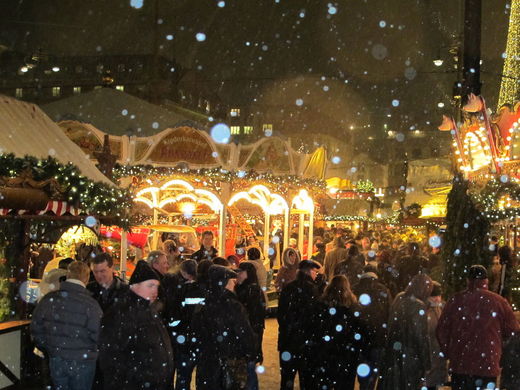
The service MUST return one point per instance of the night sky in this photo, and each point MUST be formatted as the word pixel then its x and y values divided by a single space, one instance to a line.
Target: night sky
pixel 357 62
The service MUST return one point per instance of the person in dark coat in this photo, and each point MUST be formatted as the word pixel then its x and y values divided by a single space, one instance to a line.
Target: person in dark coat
pixel 251 296
pixel 297 300
pixel 202 274
pixel 225 338
pixel 107 287
pixel 351 266
pixel 135 350
pixel 408 352
pixel 374 299
pixel 410 265
pixel 438 373
pixel 473 347
pixel 510 362
pixel 338 337
pixel 180 323
pixel 65 325
pixel 207 251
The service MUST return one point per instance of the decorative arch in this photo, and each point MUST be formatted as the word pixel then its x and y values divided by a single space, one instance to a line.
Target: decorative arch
pixel 476 150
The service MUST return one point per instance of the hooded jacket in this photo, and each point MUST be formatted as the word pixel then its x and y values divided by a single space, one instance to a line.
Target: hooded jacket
pixel 472 328
pixel 287 272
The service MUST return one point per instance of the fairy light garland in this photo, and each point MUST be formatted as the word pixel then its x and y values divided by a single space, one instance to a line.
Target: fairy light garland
pixel 95 198
pixel 213 176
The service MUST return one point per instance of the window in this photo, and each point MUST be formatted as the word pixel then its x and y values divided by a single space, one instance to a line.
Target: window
pixel 121 67
pixel 99 68
pixel 120 87
pixel 235 112
pixel 19 93
pixel 56 91
pixel 78 69
pixel 248 129
pixel 235 130
pixel 98 87
pixel 76 90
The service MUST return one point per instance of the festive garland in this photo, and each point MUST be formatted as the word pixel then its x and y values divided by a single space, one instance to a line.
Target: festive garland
pixel 486 199
pixel 95 198
pixel 280 183
pixel 393 219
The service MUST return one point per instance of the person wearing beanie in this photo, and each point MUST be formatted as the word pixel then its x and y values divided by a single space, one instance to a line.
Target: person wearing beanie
pixel 224 335
pixel 471 331
pixel 135 349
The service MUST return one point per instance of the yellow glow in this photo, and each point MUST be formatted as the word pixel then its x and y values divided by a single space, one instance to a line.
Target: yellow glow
pixel 177 182
pixel 303 202
pixel 148 190
pixel 147 202
pixel 187 208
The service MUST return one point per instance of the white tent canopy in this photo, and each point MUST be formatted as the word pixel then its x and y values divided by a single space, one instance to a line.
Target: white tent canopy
pixel 26 130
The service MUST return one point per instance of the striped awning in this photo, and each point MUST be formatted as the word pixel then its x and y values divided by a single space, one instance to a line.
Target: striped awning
pixel 54 207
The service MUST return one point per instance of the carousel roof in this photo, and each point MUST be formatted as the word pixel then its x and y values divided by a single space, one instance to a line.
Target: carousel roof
pixel 26 130
pixel 118 113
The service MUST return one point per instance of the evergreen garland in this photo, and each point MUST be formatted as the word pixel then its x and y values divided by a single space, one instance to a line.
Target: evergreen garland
pixel 466 237
pixel 95 198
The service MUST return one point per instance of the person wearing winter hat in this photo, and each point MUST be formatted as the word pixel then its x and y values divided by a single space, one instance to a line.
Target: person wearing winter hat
pixel 135 350
pixel 471 331
pixel 226 340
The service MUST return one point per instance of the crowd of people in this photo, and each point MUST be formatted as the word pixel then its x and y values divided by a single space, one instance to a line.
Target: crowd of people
pixel 365 307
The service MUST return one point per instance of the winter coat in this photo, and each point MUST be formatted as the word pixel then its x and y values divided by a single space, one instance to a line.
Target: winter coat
pixel 438 373
pixel 221 327
pixel 332 258
pixel 253 300
pixel 203 254
pixel 187 300
pixel 389 276
pixel 297 300
pixel 135 350
pixel 106 297
pixel 66 323
pixel 471 330
pixel 374 312
pixel 338 334
pixel 286 274
pixel 261 273
pixel 510 362
pixel 408 351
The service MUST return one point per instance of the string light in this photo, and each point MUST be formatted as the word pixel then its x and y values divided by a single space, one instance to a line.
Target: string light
pixel 510 88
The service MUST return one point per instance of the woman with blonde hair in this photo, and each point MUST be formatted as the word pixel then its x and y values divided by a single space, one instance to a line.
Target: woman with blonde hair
pixel 340 336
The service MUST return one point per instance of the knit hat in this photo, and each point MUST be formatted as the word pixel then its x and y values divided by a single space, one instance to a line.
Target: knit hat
pixel 219 275
pixel 477 272
pixel 143 272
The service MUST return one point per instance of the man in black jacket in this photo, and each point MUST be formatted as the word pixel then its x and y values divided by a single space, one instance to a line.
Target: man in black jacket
pixel 65 325
pixel 297 300
pixel 135 350
pixel 107 287
pixel 225 337
pixel 207 251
